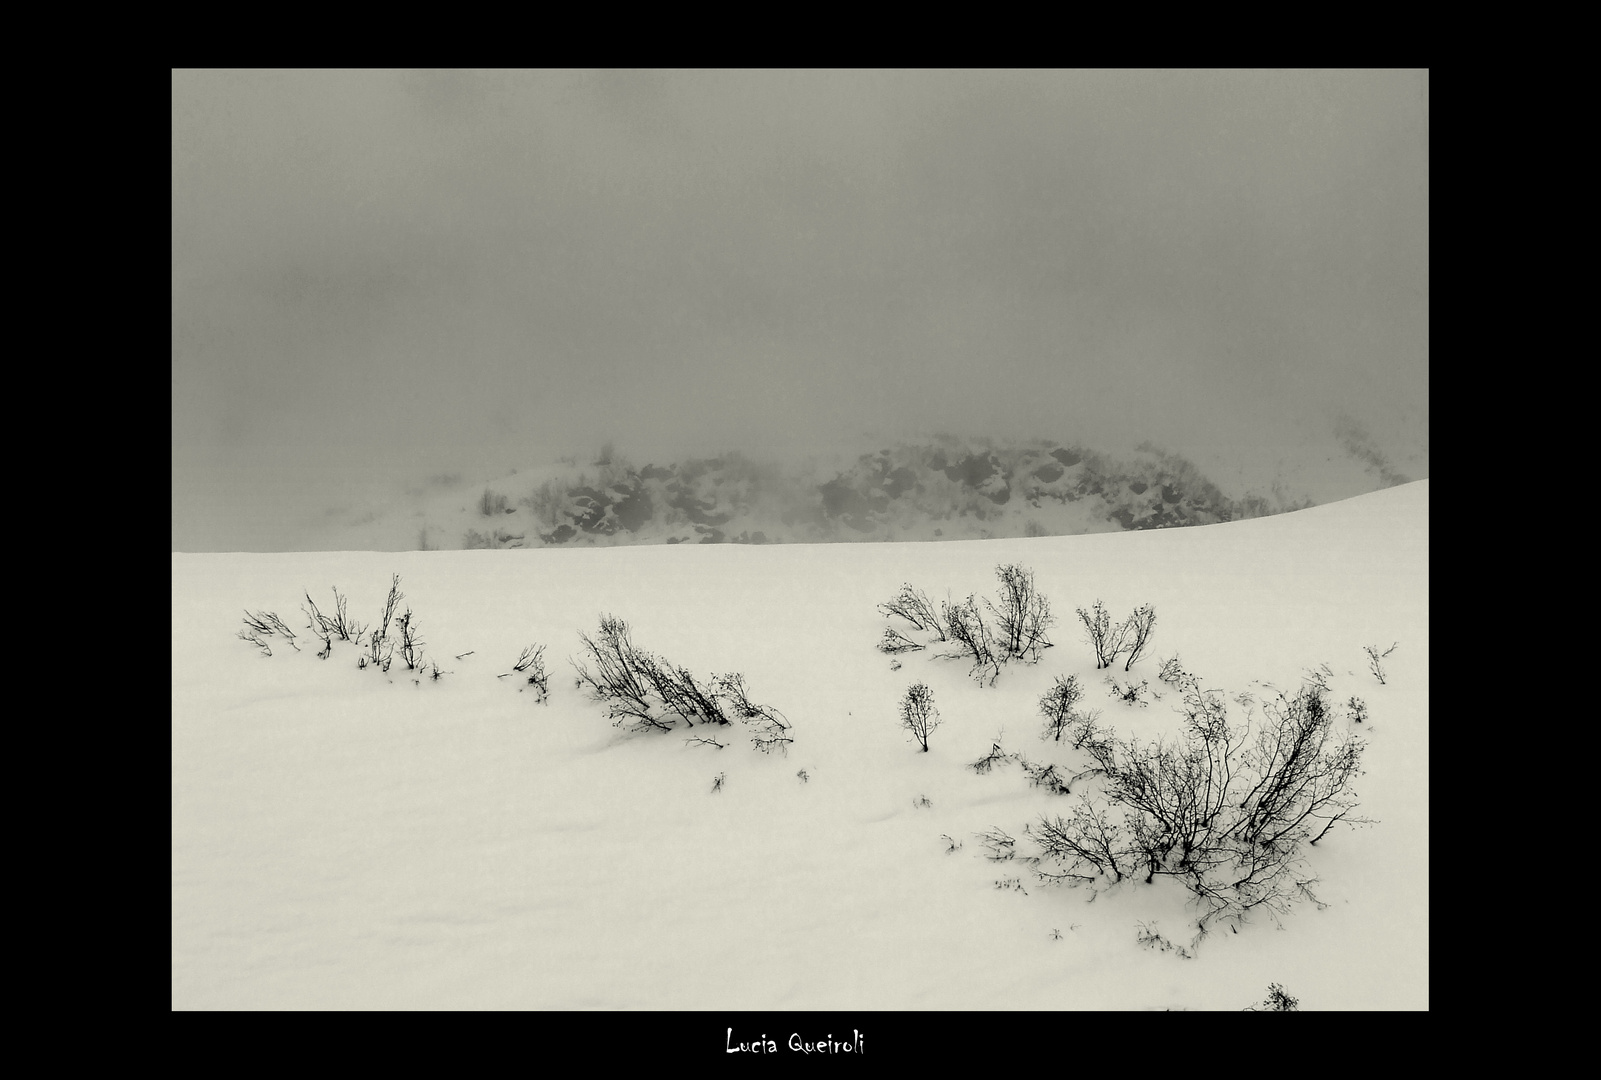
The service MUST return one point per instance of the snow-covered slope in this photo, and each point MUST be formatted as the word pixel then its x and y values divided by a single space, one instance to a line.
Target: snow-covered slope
pixel 345 838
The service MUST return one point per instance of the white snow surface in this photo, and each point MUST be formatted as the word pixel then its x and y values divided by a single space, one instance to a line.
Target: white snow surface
pixel 343 838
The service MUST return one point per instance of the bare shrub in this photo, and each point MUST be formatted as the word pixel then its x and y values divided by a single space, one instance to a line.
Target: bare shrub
pixel 770 729
pixel 1137 630
pixel 263 625
pixel 996 756
pixel 650 692
pixel 411 642
pixel 894 642
pixel 1277 1000
pixel 1022 616
pixel 1044 775
pixel 914 606
pixel 339 623
pixel 1106 638
pixel 380 647
pixel 680 692
pixel 1224 809
pixel 616 680
pixel 532 662
pixel 1000 845
pixel 1375 659
pixel 969 631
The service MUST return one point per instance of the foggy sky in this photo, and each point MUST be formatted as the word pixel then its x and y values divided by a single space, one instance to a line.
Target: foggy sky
pixel 392 271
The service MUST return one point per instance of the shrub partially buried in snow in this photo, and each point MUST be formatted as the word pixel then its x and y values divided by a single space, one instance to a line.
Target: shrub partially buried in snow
pixel 648 692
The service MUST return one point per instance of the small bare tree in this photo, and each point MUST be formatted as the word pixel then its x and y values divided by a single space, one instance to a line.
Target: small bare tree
pixel 918 714
pixel 1057 706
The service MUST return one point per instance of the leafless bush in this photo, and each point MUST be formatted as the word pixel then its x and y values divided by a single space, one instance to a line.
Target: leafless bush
pixel 320 625
pixel 918 714
pixel 532 661
pixel 1131 694
pixel 1148 936
pixel 1044 775
pixel 1374 660
pixel 266 624
pixel 650 692
pixel 1137 633
pixel 1083 848
pixel 1106 638
pixel 968 630
pixel 1278 1000
pixel 1000 846
pixel 1172 671
pixel 1226 810
pixel 1022 616
pixel 1357 709
pixel 1319 677
pixel 996 756
pixel 410 642
pixel 255 638
pixel 491 503
pixel 769 728
pixel 339 622
pixel 380 647
pixel 617 681
pixel 680 692
pixel 894 642
pixel 913 606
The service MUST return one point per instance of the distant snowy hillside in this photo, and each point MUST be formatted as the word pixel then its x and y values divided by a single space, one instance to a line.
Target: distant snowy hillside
pixel 940 489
